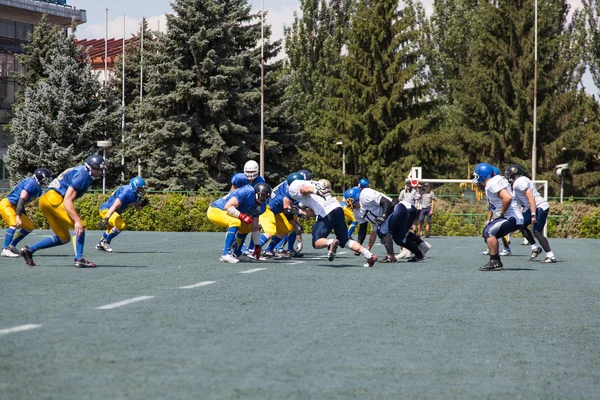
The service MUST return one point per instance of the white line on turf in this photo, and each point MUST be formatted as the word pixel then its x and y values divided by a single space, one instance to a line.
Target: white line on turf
pixel 295 262
pixel 123 303
pixel 197 285
pixel 252 270
pixel 19 328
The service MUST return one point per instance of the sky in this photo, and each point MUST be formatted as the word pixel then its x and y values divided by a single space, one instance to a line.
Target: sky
pixel 279 13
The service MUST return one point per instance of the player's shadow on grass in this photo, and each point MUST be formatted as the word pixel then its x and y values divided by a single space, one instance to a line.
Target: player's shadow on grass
pixel 340 266
pixel 519 269
pixel 141 252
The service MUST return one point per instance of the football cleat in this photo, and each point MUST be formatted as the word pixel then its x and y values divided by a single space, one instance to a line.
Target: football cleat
pixel 270 254
pixel 229 258
pixel 388 259
pixel 525 242
pixel 83 263
pixel 535 253
pixel 296 254
pixel 8 253
pixel 28 256
pixel 506 252
pixel 424 247
pixel 371 261
pixel 332 249
pixel 486 252
pixel 549 260
pixel 284 254
pixel 417 259
pixel 405 253
pixel 492 265
pixel 104 246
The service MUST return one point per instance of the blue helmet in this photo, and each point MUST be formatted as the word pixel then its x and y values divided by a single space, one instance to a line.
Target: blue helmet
pixel 482 172
pixel 351 196
pixel 43 177
pixel 496 171
pixel 238 180
pixel 363 183
pixel 263 192
pixel 307 175
pixel 294 176
pixel 138 184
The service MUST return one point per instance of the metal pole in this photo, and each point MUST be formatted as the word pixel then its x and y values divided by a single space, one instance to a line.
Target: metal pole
pixel 104 175
pixel 106 48
pixel 344 166
pixel 535 61
pixel 141 81
pixel 562 179
pixel 262 89
pixel 123 108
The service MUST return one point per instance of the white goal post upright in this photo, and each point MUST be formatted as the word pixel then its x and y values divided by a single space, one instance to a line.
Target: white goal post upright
pixel 417 173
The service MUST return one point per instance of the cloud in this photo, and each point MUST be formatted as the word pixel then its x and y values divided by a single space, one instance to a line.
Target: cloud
pixel 115 27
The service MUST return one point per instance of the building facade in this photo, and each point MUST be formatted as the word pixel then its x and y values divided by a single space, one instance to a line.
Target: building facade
pixel 17 20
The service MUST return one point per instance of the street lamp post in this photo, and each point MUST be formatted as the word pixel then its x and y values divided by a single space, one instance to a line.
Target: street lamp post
pixel 343 162
pixel 104 144
pixel 560 168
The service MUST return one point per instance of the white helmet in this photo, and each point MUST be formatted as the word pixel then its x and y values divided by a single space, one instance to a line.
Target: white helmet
pixel 326 184
pixel 251 169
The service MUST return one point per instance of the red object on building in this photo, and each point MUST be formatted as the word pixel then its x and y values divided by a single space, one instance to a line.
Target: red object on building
pixel 114 50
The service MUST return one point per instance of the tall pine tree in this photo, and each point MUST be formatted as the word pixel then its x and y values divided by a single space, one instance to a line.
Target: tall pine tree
pixel 62 116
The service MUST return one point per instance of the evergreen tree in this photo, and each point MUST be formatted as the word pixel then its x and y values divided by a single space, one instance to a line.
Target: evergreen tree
pixel 380 99
pixel 201 119
pixel 37 54
pixel 62 116
pixel 314 45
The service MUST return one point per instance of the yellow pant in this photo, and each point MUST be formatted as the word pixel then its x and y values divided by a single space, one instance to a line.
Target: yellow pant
pixel 349 214
pixel 52 206
pixel 115 220
pixel 222 218
pixel 274 224
pixel 9 215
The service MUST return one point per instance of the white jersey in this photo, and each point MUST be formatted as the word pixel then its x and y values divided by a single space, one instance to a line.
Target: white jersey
pixel 319 205
pixel 494 186
pixel 520 186
pixel 369 206
pixel 408 197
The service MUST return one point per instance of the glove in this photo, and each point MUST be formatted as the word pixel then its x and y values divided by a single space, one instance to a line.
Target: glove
pixel 257 251
pixel 103 224
pixel 299 247
pixel 144 202
pixel 379 220
pixel 245 218
pixel 324 193
pixel 497 215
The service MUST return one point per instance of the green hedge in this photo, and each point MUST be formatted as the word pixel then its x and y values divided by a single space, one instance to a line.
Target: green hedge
pixel 180 212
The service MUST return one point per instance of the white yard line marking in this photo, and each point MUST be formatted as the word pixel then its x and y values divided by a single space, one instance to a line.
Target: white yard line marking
pixel 19 329
pixel 252 270
pixel 197 285
pixel 123 303
pixel 295 262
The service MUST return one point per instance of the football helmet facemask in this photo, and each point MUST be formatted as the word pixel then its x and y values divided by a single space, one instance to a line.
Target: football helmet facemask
pixel 42 176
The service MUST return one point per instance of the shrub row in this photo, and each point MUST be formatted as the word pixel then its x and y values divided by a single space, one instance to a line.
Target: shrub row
pixel 174 212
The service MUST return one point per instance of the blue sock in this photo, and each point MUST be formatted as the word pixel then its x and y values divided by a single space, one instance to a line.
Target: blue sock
pixel 291 240
pixel 229 239
pixel 79 242
pixel 8 237
pixel 281 243
pixel 20 236
pixel 351 228
pixel 114 232
pixel 241 238
pixel 46 243
pixel 251 244
pixel 274 242
pixel 264 240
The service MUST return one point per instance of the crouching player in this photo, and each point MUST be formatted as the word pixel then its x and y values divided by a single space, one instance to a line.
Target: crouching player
pixel 58 208
pixel 330 216
pixel 506 214
pixel 12 209
pixel 238 211
pixel 111 210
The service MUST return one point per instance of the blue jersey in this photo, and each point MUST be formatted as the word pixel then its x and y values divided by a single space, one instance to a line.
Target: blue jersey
pixel 281 191
pixel 125 194
pixel 259 179
pixel 77 177
pixel 30 185
pixel 246 197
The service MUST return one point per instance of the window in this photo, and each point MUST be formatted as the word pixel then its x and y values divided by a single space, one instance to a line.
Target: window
pixel 7 93
pixel 24 32
pixel 7 29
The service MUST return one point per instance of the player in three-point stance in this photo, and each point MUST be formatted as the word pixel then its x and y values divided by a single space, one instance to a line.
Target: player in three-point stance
pixel 12 209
